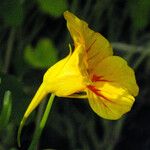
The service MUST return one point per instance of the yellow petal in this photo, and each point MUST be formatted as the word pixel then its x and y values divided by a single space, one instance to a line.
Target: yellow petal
pixel 116 71
pixel 109 101
pixel 95 45
pixel 65 77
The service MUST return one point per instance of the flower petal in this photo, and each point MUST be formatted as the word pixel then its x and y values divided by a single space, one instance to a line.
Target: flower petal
pixel 65 77
pixel 95 45
pixel 115 70
pixel 109 101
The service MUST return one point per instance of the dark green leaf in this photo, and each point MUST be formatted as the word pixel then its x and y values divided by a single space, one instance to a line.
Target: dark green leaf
pixel 53 7
pixel 19 99
pixel 12 12
pixel 140 13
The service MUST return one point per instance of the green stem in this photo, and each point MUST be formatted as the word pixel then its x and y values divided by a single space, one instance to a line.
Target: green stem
pixel 41 126
pixel 39 117
pixel 9 50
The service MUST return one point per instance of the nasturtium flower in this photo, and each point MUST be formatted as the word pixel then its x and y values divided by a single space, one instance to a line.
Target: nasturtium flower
pixel 90 71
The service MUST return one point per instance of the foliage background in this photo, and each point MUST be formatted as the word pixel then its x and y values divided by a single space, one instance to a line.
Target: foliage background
pixel 33 36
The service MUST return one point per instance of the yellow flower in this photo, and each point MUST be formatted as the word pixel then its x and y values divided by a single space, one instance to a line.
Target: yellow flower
pixel 107 81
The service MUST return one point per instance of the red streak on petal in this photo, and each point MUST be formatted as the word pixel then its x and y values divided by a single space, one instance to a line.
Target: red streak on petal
pixel 95 55
pixel 88 49
pixel 96 78
pixel 97 92
pixel 93 89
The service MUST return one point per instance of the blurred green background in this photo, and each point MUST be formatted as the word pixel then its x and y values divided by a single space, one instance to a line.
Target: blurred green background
pixel 33 36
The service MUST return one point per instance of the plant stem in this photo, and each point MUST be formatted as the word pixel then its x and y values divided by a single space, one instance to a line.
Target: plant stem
pixel 39 117
pixel 9 50
pixel 41 126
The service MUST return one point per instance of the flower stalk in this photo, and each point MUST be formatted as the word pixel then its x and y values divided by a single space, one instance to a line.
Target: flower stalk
pixel 41 126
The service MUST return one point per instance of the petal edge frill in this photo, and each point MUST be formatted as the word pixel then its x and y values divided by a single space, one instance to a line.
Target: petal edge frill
pixel 111 102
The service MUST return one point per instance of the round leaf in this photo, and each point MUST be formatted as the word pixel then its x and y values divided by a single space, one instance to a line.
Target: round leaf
pixel 43 55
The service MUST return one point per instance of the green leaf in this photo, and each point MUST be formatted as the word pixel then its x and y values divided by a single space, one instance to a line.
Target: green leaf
pixel 19 100
pixel 140 13
pixel 6 110
pixel 12 12
pixel 53 7
pixel 43 55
